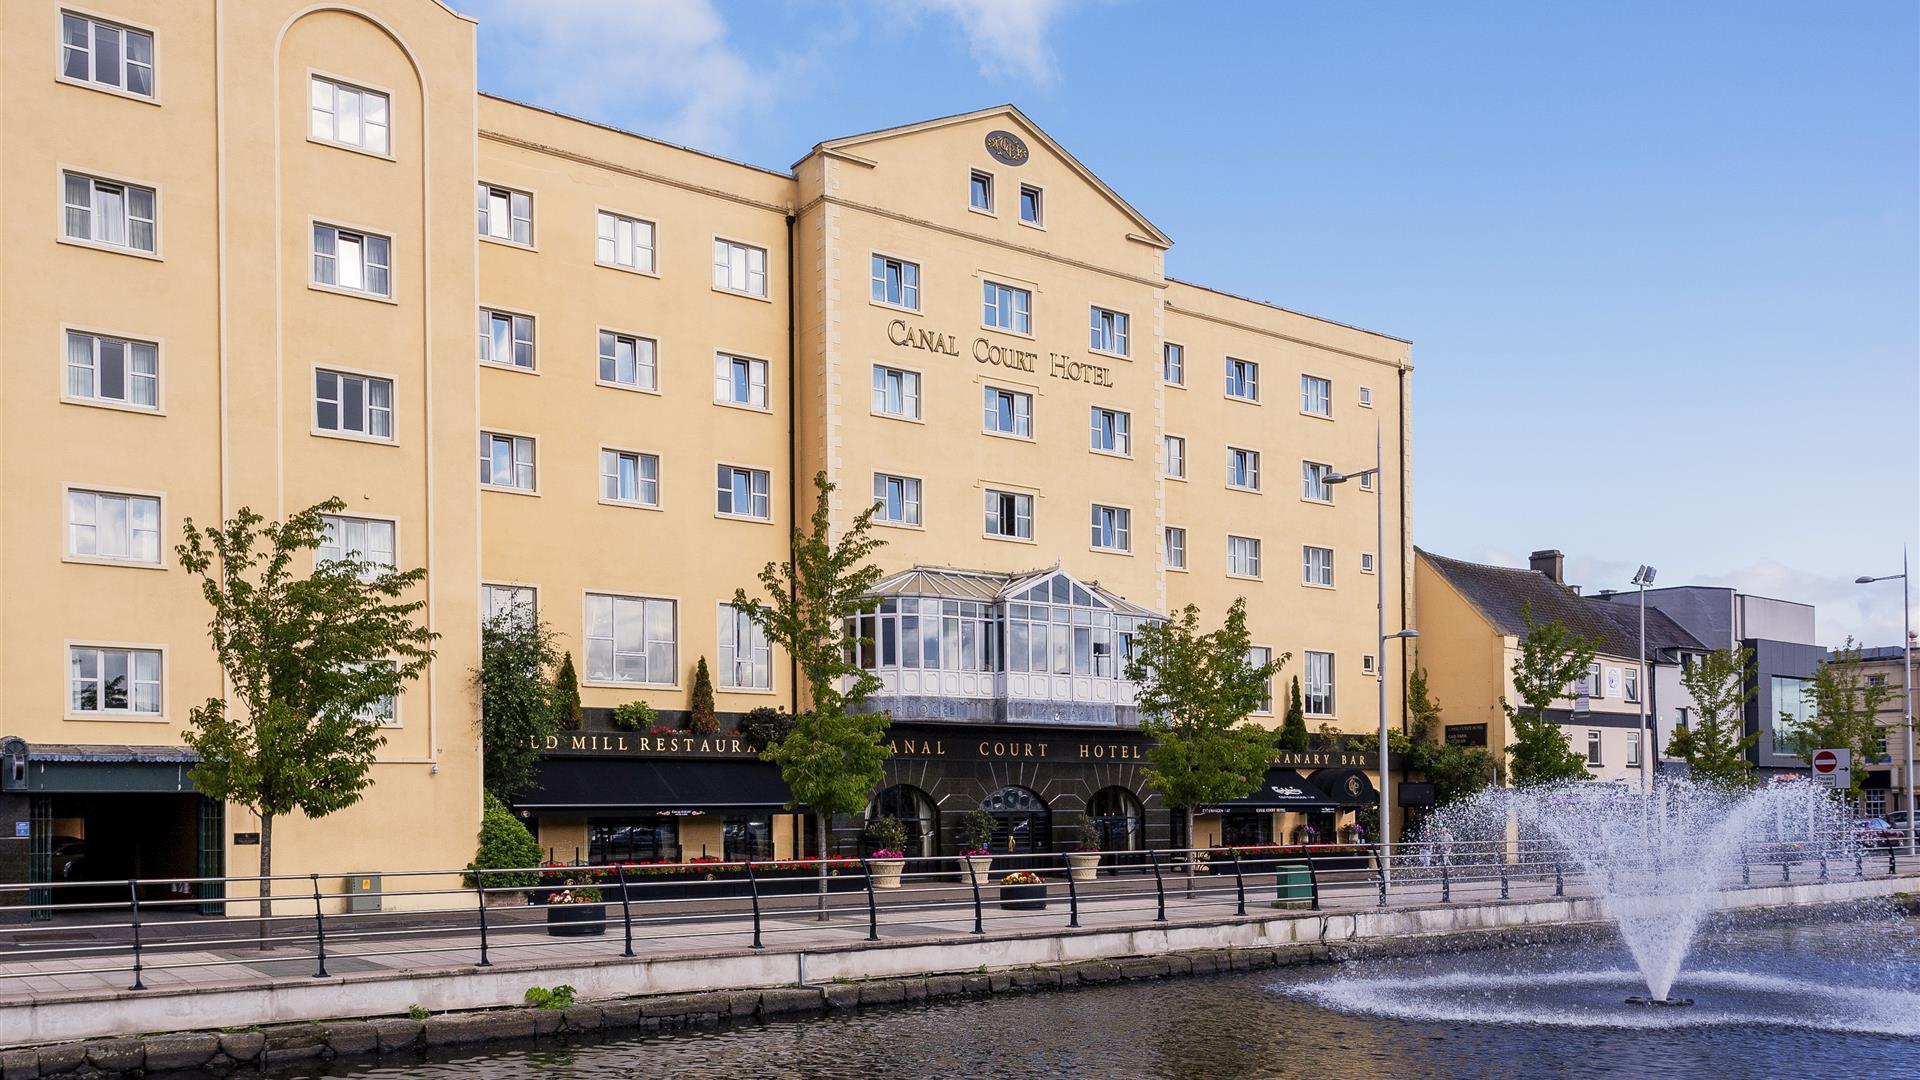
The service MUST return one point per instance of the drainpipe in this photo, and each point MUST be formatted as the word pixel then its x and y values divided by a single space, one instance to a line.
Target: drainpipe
pixel 1400 560
pixel 793 442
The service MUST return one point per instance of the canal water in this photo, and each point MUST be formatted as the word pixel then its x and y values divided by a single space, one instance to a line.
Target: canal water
pixel 1838 997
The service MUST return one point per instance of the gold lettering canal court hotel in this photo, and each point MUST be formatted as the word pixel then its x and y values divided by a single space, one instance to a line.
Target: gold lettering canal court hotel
pixel 247 249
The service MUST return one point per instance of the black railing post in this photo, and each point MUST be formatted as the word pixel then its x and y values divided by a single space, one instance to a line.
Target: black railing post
pixel 1313 882
pixel 1504 893
pixel 626 906
pixel 1446 883
pixel 1746 867
pixel 1073 895
pixel 973 878
pixel 1893 867
pixel 1559 879
pixel 1786 870
pixel 319 930
pixel 133 894
pixel 1823 864
pixel 1859 863
pixel 480 893
pixel 1160 886
pixel 1239 883
pixel 1381 855
pixel 753 889
pixel 873 909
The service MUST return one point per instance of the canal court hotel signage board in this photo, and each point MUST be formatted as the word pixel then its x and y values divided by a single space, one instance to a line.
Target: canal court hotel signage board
pixel 575 460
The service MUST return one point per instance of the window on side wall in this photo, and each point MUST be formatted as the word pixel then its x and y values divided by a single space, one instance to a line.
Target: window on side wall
pixel 506 214
pixel 106 54
pixel 348 115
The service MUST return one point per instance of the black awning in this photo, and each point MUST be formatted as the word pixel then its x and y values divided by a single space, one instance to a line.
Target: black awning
pixel 567 783
pixel 1280 789
pixel 1348 787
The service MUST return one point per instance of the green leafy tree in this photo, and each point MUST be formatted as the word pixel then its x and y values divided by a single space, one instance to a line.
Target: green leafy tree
pixel 566 695
pixel 1551 658
pixel 505 844
pixel 1293 733
pixel 635 716
pixel 1456 772
pixel 516 700
pixel 1841 714
pixel 1711 744
pixel 834 757
pixel 306 659
pixel 701 717
pixel 1195 691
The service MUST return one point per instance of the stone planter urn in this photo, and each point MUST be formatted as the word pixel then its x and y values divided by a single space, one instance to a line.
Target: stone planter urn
pixel 886 872
pixel 1083 865
pixel 981 865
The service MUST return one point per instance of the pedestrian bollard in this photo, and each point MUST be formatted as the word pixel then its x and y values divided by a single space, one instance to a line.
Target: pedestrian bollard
pixel 319 930
pixel 753 890
pixel 133 894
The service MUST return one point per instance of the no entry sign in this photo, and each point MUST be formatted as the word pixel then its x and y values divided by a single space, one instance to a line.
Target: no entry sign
pixel 1833 768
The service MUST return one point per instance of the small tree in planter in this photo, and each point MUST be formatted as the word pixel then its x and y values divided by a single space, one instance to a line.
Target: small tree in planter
pixel 635 716
pixel 887 840
pixel 700 716
pixel 505 845
pixel 976 832
pixel 566 695
pixel 1083 862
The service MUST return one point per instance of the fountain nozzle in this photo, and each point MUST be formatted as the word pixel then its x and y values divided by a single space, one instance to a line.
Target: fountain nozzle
pixel 1669 1002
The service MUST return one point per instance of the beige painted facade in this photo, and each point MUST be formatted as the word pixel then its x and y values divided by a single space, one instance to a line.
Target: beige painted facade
pixel 233 297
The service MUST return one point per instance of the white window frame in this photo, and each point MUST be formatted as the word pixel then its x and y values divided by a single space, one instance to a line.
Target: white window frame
pixel 994 512
pixel 90 49
pixel 1243 469
pixel 511 201
pixel 1173 363
pixel 1313 476
pixel 522 601
pixel 650 645
pixel 1633 749
pixel 1112 426
pixel 1260 656
pixel 1115 522
pixel 1006 308
pixel 725 273
pixel 336 536
pixel 96 343
pixel 1596 749
pixel 1316 566
pixel 911 507
pixel 338 91
pixel 883 265
pixel 731 623
pixel 102 220
pixel 1366 397
pixel 1173 448
pixel 759 376
pixel 363 243
pixel 760 496
pixel 1244 557
pixel 979 179
pixel 1317 699
pixel 1039 201
pixel 132 651
pixel 616 458
pixel 1366 562
pixel 381 712
pixel 1630 683
pixel 1251 382
pixel 516 443
pixel 1175 538
pixel 1108 332
pixel 370 414
pixel 646 361
pixel 608 251
pixel 1019 412
pixel 515 321
pixel 886 378
pixel 1316 391
pixel 1367 664
pixel 71 529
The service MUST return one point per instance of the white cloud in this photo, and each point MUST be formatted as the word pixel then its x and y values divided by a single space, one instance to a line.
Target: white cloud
pixel 663 67
pixel 1008 38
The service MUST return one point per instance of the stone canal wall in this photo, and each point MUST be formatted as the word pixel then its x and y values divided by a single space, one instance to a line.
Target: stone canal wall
pixel 721 988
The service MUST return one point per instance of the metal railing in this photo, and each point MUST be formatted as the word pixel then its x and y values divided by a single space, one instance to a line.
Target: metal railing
pixel 458 917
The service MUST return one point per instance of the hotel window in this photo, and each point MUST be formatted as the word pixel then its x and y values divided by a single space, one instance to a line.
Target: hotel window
pixel 1366 562
pixel 980 191
pixel 353 261
pixel 506 339
pixel 1173 364
pixel 506 461
pixel 746 660
pixel 623 241
pixel 630 478
pixel 1176 548
pixel 1243 557
pixel 506 214
pixel 1316 396
pixel 1109 332
pixel 1112 528
pixel 1110 431
pixel 1366 664
pixel 1316 684
pixel 1175 449
pixel 124 372
pixel 515 602
pixel 105 54
pixel 1593 748
pixel 353 404
pixel 739 268
pixel 1313 482
pixel 896 392
pixel 1316 566
pixel 1259 656
pixel 1632 676
pixel 365 542
pixel 743 493
pixel 1009 514
pixel 1633 749
pixel 108 525
pixel 896 282
pixel 1030 205
pixel 630 639
pixel 1006 308
pixel 626 360
pixel 348 115
pixel 379 712
pixel 1366 480
pixel 109 213
pixel 1590 684
pixel 124 682
pixel 1366 397
pixel 897 499
pixel 1009 412
pixel 1243 469
pixel 1243 379
pixel 740 380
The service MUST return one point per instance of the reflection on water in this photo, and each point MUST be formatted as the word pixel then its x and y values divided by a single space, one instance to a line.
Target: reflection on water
pixel 1774 1000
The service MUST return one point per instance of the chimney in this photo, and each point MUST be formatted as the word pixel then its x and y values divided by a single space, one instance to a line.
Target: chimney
pixel 1551 563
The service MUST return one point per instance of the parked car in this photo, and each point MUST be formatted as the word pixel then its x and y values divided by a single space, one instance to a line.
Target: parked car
pixel 1876 832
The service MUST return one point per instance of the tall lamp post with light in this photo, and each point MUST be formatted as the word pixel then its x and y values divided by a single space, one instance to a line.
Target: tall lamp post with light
pixel 1906 652
pixel 1642 578
pixel 1380 608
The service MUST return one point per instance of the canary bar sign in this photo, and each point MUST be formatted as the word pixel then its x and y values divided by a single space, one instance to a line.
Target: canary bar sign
pixel 986 351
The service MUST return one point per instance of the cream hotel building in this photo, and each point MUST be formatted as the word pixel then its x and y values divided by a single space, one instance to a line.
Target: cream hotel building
pixel 247 250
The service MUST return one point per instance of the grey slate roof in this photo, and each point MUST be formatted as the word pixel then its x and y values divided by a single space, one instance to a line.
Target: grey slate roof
pixel 1504 595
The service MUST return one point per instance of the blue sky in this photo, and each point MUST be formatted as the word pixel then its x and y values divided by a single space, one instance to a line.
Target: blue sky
pixel 1660 263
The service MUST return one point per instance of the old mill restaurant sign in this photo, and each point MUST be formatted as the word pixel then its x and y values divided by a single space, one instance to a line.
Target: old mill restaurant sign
pixel 954 745
pixel 985 351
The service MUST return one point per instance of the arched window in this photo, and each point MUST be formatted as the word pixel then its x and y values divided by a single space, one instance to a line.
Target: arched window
pixel 1118 817
pixel 1022 822
pixel 916 811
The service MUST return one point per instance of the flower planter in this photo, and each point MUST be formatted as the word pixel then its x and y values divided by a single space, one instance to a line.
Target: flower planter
pixel 507 898
pixel 886 872
pixel 982 866
pixel 1023 897
pixel 576 920
pixel 1083 865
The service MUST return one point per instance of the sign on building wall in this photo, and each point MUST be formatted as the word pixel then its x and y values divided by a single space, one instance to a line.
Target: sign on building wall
pixel 1007 148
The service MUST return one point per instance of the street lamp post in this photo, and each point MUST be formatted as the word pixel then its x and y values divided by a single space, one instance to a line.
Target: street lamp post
pixel 1906 655
pixel 1642 578
pixel 1380 609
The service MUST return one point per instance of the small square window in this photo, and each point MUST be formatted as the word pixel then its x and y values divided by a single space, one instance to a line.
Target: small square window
pixel 980 192
pixel 630 361
pixel 354 261
pixel 629 478
pixel 739 268
pixel 1009 412
pixel 1366 397
pixel 1176 548
pixel 1366 562
pixel 896 282
pixel 348 115
pixel 897 499
pixel 1009 515
pixel 740 380
pixel 623 242
pixel 506 339
pixel 896 392
pixel 1174 448
pixel 506 214
pixel 1030 206
pixel 1173 364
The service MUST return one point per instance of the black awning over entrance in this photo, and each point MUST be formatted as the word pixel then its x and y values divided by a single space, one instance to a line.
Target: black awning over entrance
pixel 639 784
pixel 1281 789
pixel 1348 787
